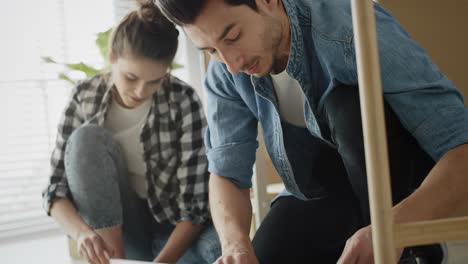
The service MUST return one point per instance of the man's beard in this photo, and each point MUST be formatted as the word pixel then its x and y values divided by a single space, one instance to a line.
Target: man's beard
pixel 275 31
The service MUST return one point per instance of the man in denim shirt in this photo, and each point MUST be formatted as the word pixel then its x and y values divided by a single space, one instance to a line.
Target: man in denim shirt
pixel 290 65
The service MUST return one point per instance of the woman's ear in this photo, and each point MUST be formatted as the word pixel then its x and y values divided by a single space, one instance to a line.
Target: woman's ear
pixel 112 57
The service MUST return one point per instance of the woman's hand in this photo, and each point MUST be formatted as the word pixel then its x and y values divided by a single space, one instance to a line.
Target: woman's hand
pixel 93 248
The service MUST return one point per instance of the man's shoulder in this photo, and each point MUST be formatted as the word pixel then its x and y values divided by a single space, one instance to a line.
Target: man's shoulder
pixel 332 20
pixel 328 20
pixel 218 70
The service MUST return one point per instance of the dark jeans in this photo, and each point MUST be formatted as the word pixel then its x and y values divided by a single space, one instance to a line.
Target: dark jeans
pixel 317 230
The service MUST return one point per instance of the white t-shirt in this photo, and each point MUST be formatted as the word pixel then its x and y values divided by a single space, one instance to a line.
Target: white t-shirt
pixel 126 125
pixel 290 98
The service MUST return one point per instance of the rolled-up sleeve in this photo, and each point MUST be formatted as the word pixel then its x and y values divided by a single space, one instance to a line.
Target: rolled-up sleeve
pixel 192 173
pixel 231 137
pixel 57 187
pixel 427 103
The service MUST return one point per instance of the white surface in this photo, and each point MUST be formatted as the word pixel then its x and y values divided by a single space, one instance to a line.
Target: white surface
pixel 275 188
pixel 53 249
pixel 123 261
pixel 50 249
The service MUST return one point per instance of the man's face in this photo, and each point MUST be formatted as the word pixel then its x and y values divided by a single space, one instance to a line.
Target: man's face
pixel 242 38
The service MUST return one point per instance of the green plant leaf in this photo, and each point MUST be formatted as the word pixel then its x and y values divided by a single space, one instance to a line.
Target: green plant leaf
pixel 86 69
pixel 102 41
pixel 175 66
pixel 65 77
pixel 47 59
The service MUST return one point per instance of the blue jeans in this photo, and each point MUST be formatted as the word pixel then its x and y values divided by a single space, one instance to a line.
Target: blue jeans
pixel 102 193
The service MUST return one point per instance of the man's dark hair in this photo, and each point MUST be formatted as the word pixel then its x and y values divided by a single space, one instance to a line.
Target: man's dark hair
pixel 184 12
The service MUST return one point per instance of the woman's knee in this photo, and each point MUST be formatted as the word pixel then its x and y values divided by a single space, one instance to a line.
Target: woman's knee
pixel 91 155
pixel 88 140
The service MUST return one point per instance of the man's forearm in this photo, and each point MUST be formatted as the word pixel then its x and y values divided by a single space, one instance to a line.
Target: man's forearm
pixel 231 211
pixel 442 192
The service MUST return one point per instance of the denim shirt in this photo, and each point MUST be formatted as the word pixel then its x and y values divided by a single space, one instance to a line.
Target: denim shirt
pixel 322 56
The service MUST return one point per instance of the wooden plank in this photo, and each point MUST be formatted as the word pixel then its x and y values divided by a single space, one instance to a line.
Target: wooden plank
pixel 429 232
pixel 373 120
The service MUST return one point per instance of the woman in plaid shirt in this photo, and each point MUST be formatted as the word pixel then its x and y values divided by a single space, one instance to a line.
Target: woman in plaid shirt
pixel 129 173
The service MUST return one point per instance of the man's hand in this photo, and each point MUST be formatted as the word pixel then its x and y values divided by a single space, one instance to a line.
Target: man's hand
pixel 237 256
pixel 93 248
pixel 359 250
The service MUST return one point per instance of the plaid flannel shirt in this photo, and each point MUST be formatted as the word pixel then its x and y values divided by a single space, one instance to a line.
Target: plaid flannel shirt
pixel 172 138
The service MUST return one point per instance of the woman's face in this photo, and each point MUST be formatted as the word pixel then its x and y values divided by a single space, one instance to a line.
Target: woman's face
pixel 137 79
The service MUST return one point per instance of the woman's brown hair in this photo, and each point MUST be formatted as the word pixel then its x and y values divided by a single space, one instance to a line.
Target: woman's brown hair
pixel 147 33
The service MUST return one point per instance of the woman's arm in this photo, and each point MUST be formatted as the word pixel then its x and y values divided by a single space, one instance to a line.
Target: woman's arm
pixel 66 215
pixel 91 245
pixel 71 118
pixel 192 172
pixel 56 197
pixel 179 241
pixel 192 176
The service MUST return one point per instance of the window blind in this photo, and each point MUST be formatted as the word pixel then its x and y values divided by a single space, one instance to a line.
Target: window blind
pixel 33 97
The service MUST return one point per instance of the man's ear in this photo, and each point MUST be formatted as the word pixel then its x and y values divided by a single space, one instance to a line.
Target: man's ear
pixel 268 6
